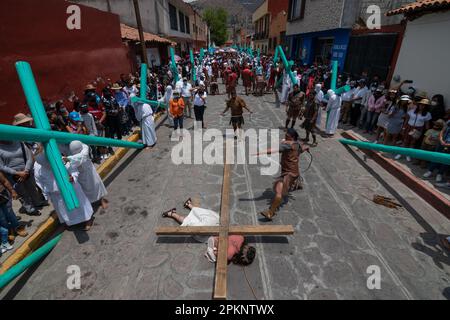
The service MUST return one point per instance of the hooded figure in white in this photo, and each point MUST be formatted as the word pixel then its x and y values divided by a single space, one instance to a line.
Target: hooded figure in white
pixel 334 112
pixel 168 94
pixel 88 178
pixel 286 88
pixel 46 180
pixel 144 114
pixel 318 99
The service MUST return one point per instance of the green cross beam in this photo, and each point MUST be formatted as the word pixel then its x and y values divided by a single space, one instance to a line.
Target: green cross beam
pixel 193 71
pixel 174 65
pixel 143 90
pixel 49 138
pixel 287 64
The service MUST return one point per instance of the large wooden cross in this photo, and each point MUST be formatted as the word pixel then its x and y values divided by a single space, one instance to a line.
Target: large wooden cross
pixel 223 231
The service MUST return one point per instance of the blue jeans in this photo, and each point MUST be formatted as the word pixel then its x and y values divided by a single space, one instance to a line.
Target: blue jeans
pixel 3 235
pixel 371 121
pixel 442 168
pixel 8 219
pixel 178 121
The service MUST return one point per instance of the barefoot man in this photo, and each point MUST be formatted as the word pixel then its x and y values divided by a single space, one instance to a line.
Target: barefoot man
pixel 237 106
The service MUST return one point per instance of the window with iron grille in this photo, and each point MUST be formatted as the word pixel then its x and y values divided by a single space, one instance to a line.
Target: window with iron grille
pixel 173 17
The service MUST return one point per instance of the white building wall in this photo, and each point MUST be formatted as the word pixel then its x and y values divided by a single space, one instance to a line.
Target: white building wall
pixel 424 54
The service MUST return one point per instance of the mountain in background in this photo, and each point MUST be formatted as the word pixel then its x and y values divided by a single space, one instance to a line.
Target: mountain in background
pixel 239 11
pixel 251 5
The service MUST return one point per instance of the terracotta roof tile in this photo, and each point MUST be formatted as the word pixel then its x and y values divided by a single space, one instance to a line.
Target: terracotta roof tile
pixel 420 7
pixel 131 33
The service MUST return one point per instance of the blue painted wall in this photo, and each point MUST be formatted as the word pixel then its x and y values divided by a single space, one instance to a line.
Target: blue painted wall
pixel 303 45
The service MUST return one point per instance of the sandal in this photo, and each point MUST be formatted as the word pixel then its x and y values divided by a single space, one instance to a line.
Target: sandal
pixel 169 213
pixel 186 203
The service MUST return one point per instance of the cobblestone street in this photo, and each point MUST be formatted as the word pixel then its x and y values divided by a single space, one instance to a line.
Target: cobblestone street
pixel 339 232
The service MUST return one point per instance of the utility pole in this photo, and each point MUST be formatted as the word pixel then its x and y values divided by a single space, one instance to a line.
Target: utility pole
pixel 141 32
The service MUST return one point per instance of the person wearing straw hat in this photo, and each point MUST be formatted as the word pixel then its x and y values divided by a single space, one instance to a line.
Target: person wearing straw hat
pixel 16 162
pixel 22 120
pixel 123 100
pixel 396 114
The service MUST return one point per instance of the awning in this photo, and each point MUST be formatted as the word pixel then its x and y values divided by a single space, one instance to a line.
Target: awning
pixel 130 33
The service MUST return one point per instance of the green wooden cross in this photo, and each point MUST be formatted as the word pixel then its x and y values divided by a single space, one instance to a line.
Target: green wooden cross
pixel 202 54
pixel 49 138
pixel 174 65
pixel 287 64
pixel 143 90
pixel 194 73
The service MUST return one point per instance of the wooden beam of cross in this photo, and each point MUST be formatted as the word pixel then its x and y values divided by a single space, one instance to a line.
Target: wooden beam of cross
pixel 50 139
pixel 223 231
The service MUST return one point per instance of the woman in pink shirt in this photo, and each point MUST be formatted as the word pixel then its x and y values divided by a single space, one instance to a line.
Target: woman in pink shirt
pixel 376 104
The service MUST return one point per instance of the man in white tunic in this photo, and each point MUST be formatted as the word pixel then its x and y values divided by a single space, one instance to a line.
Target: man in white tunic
pixel 144 114
pixel 46 180
pixel 168 94
pixel 286 88
pixel 319 99
pixel 334 109
pixel 88 178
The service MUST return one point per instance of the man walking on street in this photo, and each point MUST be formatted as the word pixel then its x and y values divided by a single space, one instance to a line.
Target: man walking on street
pixel 237 106
pixel 295 103
pixel 186 93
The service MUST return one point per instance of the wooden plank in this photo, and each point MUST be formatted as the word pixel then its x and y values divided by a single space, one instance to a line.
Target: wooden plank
pixel 220 282
pixel 261 230
pixel 186 231
pixel 234 230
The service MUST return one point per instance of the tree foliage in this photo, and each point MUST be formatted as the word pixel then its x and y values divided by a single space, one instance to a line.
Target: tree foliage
pixel 216 19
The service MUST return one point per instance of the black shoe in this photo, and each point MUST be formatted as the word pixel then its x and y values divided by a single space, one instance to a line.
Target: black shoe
pixel 35 213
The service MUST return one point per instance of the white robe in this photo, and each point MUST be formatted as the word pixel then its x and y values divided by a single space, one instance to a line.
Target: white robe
pixel 45 179
pixel 144 114
pixel 319 99
pixel 286 88
pixel 199 217
pixel 168 94
pixel 334 109
pixel 88 178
